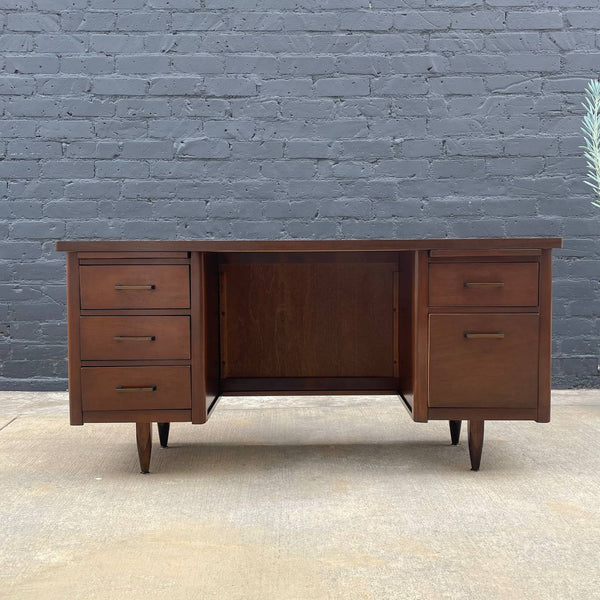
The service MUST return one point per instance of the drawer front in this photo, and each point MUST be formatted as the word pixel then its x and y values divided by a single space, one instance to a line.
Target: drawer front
pixel 483 360
pixel 134 286
pixel 135 338
pixel 483 284
pixel 135 388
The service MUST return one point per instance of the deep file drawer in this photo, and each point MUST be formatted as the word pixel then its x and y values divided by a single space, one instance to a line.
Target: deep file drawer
pixel 134 286
pixel 483 284
pixel 135 338
pixel 483 360
pixel 135 388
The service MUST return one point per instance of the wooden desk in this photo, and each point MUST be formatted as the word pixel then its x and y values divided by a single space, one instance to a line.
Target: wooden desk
pixel 457 329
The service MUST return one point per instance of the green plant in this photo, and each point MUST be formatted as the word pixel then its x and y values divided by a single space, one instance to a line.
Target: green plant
pixel 591 132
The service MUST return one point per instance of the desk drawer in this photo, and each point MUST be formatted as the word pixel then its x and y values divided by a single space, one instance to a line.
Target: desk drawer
pixel 135 388
pixel 483 360
pixel 483 284
pixel 134 286
pixel 135 338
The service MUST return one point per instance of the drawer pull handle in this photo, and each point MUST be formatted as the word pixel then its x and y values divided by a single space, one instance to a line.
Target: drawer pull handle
pixel 483 284
pixel 136 338
pixel 119 286
pixel 123 388
pixel 479 336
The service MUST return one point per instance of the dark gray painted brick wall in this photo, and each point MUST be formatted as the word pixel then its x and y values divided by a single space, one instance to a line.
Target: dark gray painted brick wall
pixel 290 119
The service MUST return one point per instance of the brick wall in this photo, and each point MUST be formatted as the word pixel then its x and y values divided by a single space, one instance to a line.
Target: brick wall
pixel 164 119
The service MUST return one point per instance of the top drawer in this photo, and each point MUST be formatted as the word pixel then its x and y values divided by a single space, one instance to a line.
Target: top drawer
pixel 134 286
pixel 483 284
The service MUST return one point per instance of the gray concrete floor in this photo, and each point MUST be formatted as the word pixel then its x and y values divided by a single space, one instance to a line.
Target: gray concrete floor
pixel 299 498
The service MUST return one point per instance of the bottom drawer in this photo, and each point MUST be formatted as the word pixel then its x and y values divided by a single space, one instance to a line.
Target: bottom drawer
pixel 135 388
pixel 483 360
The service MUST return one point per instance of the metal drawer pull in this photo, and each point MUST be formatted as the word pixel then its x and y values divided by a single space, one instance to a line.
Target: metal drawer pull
pixel 118 286
pixel 476 284
pixel 479 336
pixel 122 388
pixel 136 338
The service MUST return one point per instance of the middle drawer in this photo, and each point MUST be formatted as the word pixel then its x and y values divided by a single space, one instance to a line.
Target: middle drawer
pixel 135 338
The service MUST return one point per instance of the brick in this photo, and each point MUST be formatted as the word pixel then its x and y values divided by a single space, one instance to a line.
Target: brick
pixel 457 85
pixel 61 85
pixel 200 21
pixel 32 22
pixel 143 21
pixel 31 149
pixel 88 21
pixel 130 128
pixel 533 62
pixel 122 169
pixel 296 21
pixel 202 148
pixel 175 128
pixel 142 108
pixel 194 107
pixel 308 149
pixel 119 86
pixel 147 149
pixel 429 20
pixel 92 189
pixel 579 62
pixel 366 21
pixel 22 86
pixel 10 42
pixel 534 20
pixel 287 87
pixel 423 63
pixel 479 20
pixel 64 129
pixel 583 19
pixel 142 63
pixel 87 108
pixel 19 169
pixel 230 86
pixel 256 21
pixel 481 63
pixel 258 150
pixel 40 63
pixel 237 129
pixel 407 42
pixel 92 65
pixel 60 43
pixel 398 85
pixel 110 43
pixel 67 169
pixel 37 230
pixel 199 64
pixel 306 65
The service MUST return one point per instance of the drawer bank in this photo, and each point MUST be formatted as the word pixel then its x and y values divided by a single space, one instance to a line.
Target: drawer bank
pixel 456 329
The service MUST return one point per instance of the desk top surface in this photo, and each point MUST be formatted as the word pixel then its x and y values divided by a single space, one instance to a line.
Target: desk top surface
pixel 363 245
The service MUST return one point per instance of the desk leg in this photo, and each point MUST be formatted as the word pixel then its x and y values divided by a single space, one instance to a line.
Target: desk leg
pixel 455 431
pixel 475 443
pixel 163 433
pixel 143 433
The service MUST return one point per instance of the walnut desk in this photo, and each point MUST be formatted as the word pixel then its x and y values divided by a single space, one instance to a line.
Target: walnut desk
pixel 457 329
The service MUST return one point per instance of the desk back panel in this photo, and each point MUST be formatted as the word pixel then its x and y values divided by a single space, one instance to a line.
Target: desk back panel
pixel 312 316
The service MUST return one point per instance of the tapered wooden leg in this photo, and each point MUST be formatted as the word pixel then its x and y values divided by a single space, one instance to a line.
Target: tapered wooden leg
pixel 475 443
pixel 143 432
pixel 163 433
pixel 455 431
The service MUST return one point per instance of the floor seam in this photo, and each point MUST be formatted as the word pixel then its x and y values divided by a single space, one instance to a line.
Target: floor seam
pixel 7 424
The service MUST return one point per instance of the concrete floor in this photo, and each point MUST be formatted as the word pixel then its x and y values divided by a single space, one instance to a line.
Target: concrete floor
pixel 299 498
